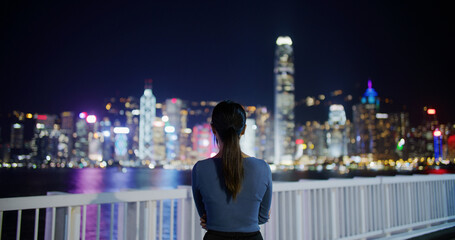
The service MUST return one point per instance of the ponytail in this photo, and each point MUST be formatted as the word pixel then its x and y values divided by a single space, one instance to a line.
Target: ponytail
pixel 228 119
pixel 232 162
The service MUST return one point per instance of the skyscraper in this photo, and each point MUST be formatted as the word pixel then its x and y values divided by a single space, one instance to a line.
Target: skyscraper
pixel 173 128
pixel 284 101
pixel 364 116
pixel 147 116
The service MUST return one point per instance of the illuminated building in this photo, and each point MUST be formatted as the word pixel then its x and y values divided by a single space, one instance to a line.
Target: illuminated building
pixel 175 122
pixel 248 140
pixel 95 147
pixel 121 145
pixel 125 112
pixel 337 139
pixel 158 141
pixel 364 116
pixel 107 136
pixel 438 152
pixel 311 139
pixel 337 115
pixel 81 139
pixel 65 141
pixel 203 141
pixel 284 125
pixel 17 136
pixel 67 121
pixel 264 134
pixel 146 119
pixel 42 146
pixel 391 139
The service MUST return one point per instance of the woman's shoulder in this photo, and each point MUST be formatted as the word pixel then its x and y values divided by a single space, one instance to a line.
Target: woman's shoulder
pixel 257 162
pixel 205 162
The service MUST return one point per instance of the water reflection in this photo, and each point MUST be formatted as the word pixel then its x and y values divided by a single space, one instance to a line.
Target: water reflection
pixel 96 180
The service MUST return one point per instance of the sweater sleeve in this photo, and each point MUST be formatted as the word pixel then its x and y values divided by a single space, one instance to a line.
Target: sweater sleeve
pixel 266 200
pixel 196 193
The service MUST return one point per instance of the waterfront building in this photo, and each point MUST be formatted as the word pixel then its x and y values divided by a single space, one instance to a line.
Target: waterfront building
pixel 107 140
pixel 121 146
pixel 203 141
pixel 337 139
pixel 184 136
pixel 17 136
pixel 66 140
pixel 95 149
pixel 124 112
pixel 158 141
pixel 391 138
pixel 264 134
pixel 248 140
pixel 42 146
pixel 364 117
pixel 311 141
pixel 147 117
pixel 175 123
pixel 81 140
pixel 284 125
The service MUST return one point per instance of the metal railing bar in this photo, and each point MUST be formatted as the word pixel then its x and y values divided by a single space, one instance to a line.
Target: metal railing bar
pixel 23 203
pixel 84 220
pixel 171 231
pixel 54 212
pixel 98 221
pixel 404 204
pixel 35 232
pixel 138 214
pixel 111 227
pixel 1 224
pixel 161 221
pixel 18 229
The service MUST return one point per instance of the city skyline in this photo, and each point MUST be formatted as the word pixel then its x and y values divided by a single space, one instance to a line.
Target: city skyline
pixel 72 56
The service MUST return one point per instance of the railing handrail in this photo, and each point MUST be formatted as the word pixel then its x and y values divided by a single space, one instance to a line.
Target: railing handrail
pixel 67 200
pixel 348 182
pixel 33 202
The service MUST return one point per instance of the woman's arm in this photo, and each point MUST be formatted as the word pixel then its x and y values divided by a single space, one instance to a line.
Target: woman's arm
pixel 264 209
pixel 196 193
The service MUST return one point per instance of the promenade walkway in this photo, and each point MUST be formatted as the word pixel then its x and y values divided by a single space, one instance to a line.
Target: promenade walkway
pixel 446 234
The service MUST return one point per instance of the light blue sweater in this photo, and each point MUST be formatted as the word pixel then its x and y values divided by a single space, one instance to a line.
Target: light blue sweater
pixel 243 214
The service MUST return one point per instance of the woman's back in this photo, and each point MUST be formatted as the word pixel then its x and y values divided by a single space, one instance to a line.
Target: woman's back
pixel 248 210
pixel 232 191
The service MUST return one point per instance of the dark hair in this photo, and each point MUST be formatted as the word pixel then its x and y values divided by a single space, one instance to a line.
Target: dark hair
pixel 228 120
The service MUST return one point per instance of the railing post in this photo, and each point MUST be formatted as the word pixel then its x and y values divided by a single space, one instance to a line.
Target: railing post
pixel 184 220
pixel 386 188
pixel 55 220
pixel 409 187
pixel 334 215
pixel 363 218
pixel 74 223
pixel 151 220
pixel 298 215
pixel 444 200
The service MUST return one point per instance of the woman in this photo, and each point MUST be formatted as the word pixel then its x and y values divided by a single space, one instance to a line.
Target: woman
pixel 232 191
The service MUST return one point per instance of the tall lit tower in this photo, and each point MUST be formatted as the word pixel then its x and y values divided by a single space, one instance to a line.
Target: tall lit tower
pixel 147 116
pixel 364 116
pixel 284 101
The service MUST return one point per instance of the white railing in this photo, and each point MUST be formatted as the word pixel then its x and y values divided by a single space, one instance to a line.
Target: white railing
pixel 119 215
pixel 359 208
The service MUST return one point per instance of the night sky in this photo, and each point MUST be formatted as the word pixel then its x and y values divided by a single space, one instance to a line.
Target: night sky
pixel 71 55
